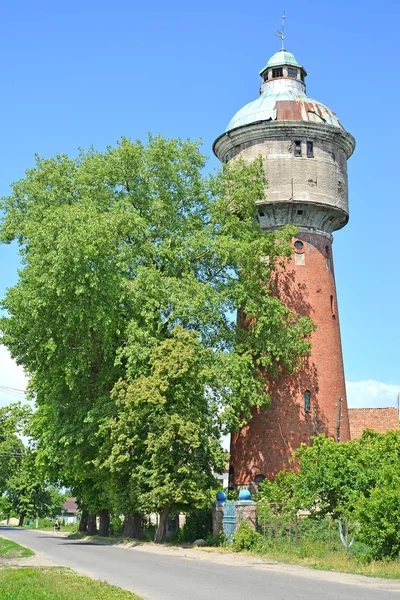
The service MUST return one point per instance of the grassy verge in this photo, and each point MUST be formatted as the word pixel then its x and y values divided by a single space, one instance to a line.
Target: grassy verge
pixel 55 584
pixel 343 562
pixel 12 550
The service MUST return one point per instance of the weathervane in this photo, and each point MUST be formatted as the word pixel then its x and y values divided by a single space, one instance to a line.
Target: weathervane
pixel 281 34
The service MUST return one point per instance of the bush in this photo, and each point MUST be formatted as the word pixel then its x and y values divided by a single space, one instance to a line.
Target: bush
pixel 245 538
pixel 379 519
pixel 363 553
pixel 216 540
pixel 198 525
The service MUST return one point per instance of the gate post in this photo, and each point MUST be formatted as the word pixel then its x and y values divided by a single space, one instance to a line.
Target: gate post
pixel 218 514
pixel 246 510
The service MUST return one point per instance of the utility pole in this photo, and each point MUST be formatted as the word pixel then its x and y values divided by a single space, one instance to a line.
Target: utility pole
pixel 339 414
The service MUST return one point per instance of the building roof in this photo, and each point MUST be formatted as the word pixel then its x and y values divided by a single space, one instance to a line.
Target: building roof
pixel 283 99
pixel 379 419
pixel 71 506
pixel 281 58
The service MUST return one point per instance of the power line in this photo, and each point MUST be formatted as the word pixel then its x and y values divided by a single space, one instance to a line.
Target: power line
pixel 5 387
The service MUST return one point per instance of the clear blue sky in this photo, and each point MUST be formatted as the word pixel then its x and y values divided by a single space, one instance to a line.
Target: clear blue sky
pixel 89 72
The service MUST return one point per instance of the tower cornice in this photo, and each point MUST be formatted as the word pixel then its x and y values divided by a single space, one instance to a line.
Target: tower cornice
pixel 261 130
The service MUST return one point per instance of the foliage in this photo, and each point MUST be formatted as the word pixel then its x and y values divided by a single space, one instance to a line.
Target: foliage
pixel 198 525
pixel 356 480
pixel 132 262
pixel 11 446
pixel 246 538
pixel 27 492
pixel 379 518
pixel 278 493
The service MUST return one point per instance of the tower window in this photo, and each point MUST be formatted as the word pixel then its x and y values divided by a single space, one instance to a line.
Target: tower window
pixel 292 72
pixel 302 76
pixel 299 212
pixel 298 244
pixel 307 400
pixel 310 150
pixel 277 72
pixel 265 76
pixel 297 148
pixel 226 158
pixel 259 479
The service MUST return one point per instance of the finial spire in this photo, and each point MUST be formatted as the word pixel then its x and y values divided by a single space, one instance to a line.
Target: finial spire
pixel 281 34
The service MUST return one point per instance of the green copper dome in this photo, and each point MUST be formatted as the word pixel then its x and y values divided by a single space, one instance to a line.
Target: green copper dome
pixel 281 58
pixel 283 97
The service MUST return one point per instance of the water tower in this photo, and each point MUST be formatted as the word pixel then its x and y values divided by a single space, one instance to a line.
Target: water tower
pixel 304 148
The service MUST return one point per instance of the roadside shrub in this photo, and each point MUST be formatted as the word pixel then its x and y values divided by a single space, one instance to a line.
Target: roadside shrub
pixel 363 553
pixel 379 519
pixel 198 525
pixel 245 538
pixel 216 540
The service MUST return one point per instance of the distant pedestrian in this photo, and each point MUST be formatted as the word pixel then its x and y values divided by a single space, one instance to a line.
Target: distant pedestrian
pixel 57 525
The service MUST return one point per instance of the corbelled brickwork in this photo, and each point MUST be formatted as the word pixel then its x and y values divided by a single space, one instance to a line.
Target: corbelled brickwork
pixel 379 419
pixel 266 444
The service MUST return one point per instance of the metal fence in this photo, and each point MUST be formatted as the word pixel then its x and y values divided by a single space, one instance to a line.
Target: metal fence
pixel 301 532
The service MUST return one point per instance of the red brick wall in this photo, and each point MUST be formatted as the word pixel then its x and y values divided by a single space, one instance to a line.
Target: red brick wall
pixel 266 444
pixel 379 419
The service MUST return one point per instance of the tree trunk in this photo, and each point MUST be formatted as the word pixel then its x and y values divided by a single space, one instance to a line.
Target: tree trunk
pixel 83 523
pixel 104 529
pixel 162 526
pixel 132 526
pixel 91 524
pixel 21 520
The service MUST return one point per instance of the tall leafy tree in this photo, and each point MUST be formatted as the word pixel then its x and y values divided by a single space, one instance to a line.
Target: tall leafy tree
pixel 128 254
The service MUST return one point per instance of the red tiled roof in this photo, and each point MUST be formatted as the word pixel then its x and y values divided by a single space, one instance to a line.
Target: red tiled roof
pixel 71 506
pixel 379 419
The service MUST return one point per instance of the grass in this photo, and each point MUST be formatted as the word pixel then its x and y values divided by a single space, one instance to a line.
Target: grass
pixel 340 561
pixel 48 525
pixel 53 583
pixel 10 549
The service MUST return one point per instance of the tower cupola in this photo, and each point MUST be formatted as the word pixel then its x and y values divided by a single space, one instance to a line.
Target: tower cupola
pixel 283 65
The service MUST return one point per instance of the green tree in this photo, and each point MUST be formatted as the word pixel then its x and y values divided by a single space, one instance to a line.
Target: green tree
pixel 11 446
pixel 120 251
pixel 27 492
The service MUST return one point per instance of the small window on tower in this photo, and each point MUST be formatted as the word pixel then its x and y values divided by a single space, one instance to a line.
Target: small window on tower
pixel 277 72
pixel 292 72
pixel 307 400
pixel 265 76
pixel 298 245
pixel 297 148
pixel 226 158
pixel 310 150
pixel 259 479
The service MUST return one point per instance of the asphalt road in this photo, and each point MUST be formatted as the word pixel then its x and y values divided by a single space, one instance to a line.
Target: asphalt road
pixel 159 575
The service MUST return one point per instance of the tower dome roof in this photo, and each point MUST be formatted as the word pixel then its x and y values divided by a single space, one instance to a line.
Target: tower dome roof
pixel 287 105
pixel 283 97
pixel 281 58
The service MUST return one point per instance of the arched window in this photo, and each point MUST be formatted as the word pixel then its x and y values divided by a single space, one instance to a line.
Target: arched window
pixel 307 400
pixel 259 479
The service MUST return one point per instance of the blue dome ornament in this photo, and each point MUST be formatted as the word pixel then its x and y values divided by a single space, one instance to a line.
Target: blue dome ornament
pixel 244 495
pixel 221 497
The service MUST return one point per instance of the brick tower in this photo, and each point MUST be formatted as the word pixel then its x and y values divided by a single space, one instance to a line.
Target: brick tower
pixel 305 150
